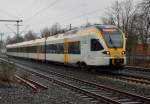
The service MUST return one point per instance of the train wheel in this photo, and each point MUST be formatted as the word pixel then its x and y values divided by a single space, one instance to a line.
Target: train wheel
pixel 83 66
pixel 93 70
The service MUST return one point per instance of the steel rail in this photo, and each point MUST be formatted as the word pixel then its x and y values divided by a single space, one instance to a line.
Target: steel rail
pixel 86 92
pixel 143 69
pixel 27 83
pixel 39 85
pixel 132 78
pixel 133 96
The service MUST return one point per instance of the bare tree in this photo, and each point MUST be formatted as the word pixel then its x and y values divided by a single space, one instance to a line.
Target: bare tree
pixel 108 20
pixel 55 29
pixel 14 39
pixel 142 23
pixel 122 14
pixel 8 40
pixel 45 32
pixel 30 35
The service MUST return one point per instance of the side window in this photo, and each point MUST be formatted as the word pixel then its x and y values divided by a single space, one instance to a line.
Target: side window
pixel 60 48
pixel 55 48
pixel 74 47
pixel 43 49
pixel 95 45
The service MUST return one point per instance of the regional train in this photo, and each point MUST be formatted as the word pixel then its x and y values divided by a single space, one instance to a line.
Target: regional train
pixel 96 45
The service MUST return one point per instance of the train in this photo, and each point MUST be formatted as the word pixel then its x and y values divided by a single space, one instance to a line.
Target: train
pixel 93 46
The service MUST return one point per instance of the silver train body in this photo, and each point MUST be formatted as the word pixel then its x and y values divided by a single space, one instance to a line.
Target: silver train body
pixel 98 45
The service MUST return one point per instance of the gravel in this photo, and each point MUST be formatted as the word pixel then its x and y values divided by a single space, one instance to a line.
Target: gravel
pixel 136 72
pixel 17 93
pixel 88 76
pixel 20 94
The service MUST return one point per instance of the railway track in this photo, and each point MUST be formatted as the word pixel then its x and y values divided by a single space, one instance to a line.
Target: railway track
pixel 142 69
pixel 117 76
pixel 127 78
pixel 36 86
pixel 97 93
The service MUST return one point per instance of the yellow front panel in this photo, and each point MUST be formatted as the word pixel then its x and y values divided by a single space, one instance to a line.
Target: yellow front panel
pixel 115 54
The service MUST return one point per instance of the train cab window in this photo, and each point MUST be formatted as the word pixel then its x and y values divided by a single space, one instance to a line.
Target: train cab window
pixel 95 45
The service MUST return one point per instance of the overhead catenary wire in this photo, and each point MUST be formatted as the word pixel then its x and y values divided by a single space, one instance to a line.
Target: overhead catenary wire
pixel 42 10
pixel 10 29
pixel 33 3
pixel 82 15
pixel 79 22
pixel 62 15
pixel 79 16
pixel 8 14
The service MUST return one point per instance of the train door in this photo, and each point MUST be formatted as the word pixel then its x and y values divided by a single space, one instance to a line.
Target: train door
pixel 66 50
pixel 84 48
pixel 27 52
pixel 38 52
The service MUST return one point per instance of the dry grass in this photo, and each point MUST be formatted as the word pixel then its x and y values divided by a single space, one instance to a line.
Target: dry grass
pixel 7 72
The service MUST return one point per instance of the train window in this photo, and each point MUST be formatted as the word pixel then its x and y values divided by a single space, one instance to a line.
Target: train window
pixel 74 47
pixel 60 48
pixel 48 48
pixel 29 49
pixel 113 39
pixel 95 45
pixel 33 49
pixel 43 49
pixel 39 49
pixel 55 48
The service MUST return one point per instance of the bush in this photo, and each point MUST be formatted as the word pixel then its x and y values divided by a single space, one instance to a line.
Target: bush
pixel 7 71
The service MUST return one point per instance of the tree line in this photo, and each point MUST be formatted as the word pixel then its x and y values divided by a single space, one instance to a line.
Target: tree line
pixel 133 20
pixel 30 35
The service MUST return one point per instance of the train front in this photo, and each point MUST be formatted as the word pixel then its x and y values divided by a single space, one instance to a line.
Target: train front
pixel 115 42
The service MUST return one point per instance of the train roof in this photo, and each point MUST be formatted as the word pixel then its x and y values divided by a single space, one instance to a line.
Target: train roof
pixel 29 43
pixel 60 36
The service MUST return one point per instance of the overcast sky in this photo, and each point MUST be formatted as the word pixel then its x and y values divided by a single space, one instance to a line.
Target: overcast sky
pixel 38 14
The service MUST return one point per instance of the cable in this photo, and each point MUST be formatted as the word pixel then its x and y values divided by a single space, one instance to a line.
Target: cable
pixel 62 15
pixel 8 14
pixel 10 29
pixel 82 22
pixel 31 5
pixel 70 11
pixel 85 14
pixel 42 10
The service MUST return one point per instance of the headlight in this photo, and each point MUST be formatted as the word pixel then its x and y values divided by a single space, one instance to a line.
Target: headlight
pixel 106 52
pixel 123 52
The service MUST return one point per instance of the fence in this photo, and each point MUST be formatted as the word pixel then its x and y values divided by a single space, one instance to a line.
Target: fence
pixel 138 60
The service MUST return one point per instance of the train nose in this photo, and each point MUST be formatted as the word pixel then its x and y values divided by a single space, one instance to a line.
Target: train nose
pixel 116 58
pixel 116 61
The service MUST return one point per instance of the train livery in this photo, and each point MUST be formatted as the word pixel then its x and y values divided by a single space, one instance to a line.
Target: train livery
pixel 97 45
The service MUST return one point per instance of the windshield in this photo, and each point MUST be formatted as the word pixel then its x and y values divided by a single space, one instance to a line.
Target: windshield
pixel 113 38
